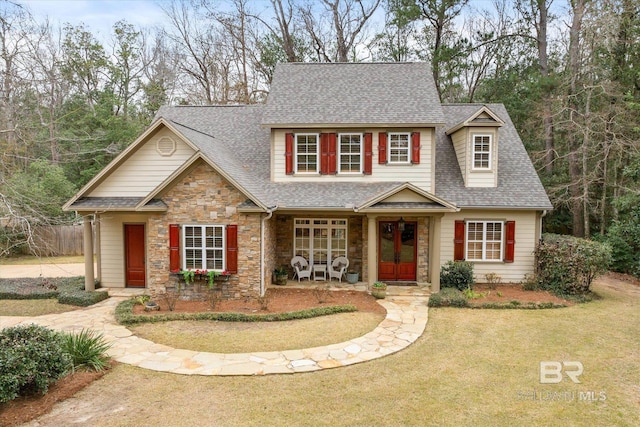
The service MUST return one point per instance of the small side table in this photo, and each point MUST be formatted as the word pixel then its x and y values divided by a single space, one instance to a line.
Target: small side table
pixel 320 270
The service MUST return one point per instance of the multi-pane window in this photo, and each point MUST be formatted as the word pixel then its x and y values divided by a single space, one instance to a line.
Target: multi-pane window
pixel 203 247
pixel 484 240
pixel 307 152
pixel 482 151
pixel 350 146
pixel 399 148
pixel 320 241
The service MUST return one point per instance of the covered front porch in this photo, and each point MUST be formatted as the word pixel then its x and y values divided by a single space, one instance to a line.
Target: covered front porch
pixel 398 249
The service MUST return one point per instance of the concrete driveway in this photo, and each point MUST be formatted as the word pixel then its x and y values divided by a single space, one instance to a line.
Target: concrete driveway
pixel 44 270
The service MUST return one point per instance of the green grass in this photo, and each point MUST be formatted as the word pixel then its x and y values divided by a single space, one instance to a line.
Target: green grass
pixel 240 337
pixel 36 307
pixel 470 367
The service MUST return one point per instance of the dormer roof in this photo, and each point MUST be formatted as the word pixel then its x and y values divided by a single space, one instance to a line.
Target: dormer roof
pixel 480 118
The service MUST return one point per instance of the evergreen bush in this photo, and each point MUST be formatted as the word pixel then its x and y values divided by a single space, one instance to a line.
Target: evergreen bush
pixel 457 274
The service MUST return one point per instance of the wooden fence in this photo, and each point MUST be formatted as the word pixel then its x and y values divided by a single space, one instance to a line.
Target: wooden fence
pixel 58 240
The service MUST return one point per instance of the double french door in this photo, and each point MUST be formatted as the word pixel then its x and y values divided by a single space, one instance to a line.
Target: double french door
pixel 397 251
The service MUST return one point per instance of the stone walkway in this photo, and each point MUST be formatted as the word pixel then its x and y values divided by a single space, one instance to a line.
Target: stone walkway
pixel 405 321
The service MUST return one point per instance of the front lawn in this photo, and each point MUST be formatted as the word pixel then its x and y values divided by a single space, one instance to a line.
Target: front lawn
pixel 470 367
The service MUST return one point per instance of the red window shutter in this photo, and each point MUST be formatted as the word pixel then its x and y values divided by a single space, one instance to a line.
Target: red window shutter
pixel 510 241
pixel 382 148
pixel 288 153
pixel 324 153
pixel 232 248
pixel 415 148
pixel 174 247
pixel 458 241
pixel 330 148
pixel 368 154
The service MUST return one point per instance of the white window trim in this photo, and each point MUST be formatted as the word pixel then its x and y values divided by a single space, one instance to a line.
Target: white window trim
pixel 359 172
pixel 330 225
pixel 473 151
pixel 295 153
pixel 183 249
pixel 484 240
pixel 391 162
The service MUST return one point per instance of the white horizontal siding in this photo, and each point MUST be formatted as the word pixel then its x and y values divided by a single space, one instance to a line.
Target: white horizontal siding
pixel 112 247
pixel 420 175
pixel 525 241
pixel 144 170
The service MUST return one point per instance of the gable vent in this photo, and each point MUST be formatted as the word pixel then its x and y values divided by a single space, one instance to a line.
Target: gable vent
pixel 166 146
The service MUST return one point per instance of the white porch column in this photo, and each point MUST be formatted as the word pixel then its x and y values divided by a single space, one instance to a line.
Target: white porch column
pixel 434 253
pixel 96 226
pixel 372 249
pixel 89 281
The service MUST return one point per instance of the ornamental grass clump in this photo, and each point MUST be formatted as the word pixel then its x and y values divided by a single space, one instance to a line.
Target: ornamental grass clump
pixel 87 350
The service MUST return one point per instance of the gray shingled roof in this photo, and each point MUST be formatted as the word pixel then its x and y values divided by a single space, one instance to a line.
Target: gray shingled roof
pixel 114 203
pixel 233 139
pixel 352 94
pixel 518 183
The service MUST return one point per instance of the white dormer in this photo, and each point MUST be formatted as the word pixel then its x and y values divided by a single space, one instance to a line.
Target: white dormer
pixel 475 141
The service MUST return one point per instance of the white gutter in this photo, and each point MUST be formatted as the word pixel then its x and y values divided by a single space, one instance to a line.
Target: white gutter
pixel 262 223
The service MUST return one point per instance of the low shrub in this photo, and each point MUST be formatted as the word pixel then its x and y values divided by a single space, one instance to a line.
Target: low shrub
pixel 457 274
pixel 448 297
pixel 31 358
pixel 82 298
pixel 125 316
pixel 87 349
pixel 567 265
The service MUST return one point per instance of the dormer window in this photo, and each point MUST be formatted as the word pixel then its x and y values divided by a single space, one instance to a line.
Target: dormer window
pixel 482 152
pixel 399 148
pixel 350 146
pixel 307 152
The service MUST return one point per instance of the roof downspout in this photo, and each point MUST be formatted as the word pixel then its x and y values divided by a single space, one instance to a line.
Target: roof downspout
pixel 262 261
pixel 544 213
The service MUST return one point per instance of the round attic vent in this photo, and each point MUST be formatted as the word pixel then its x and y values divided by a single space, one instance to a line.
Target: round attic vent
pixel 166 146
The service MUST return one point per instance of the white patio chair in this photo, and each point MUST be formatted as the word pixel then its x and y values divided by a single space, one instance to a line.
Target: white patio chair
pixel 338 268
pixel 301 268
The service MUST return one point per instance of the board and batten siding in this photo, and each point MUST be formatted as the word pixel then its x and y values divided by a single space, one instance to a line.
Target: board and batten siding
pixel 144 170
pixel 421 175
pixel 527 234
pixel 112 246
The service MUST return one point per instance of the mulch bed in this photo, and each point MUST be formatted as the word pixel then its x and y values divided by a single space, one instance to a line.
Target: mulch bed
pixel 508 293
pixel 280 300
pixel 24 409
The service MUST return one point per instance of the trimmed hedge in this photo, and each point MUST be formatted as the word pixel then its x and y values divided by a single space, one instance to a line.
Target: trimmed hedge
pixel 82 298
pixel 124 315
pixel 448 297
pixel 566 265
pixel 31 358
pixel 66 290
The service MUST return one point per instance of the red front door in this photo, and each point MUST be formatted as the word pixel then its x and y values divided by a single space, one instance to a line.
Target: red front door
pixel 397 251
pixel 134 253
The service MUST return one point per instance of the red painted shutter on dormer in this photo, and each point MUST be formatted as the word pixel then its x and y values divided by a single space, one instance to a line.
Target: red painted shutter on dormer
pixel 332 149
pixel 288 153
pixel 458 241
pixel 415 148
pixel 324 153
pixel 174 247
pixel 510 241
pixel 368 154
pixel 232 248
pixel 382 148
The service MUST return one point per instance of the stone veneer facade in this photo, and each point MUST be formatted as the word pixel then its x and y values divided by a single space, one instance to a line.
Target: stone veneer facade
pixel 202 196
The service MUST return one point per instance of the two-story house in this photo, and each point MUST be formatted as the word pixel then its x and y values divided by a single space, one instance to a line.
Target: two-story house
pixel 358 160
